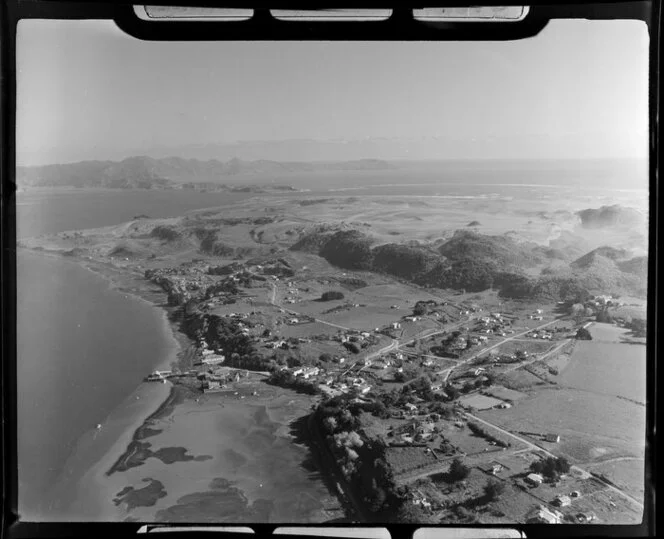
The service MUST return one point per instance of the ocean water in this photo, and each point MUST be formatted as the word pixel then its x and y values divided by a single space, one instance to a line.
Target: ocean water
pixel 43 212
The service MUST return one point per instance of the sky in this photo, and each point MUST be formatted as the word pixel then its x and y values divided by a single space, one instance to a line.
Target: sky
pixel 85 90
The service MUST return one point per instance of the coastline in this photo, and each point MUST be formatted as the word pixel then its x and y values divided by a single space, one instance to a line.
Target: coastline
pixel 117 459
pixel 97 450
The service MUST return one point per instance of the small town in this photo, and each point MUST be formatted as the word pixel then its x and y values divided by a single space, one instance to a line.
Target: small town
pixel 404 381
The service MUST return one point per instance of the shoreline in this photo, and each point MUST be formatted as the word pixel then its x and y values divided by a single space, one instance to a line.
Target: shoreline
pixel 165 408
pixel 145 403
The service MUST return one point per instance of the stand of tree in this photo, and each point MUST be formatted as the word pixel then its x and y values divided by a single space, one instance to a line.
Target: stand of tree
pixel 638 326
pixel 551 467
pixel 583 335
pixel 284 378
pixel 331 295
pixel 363 463
pixel 223 334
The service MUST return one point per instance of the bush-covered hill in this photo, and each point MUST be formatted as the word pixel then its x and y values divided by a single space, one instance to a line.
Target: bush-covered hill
pixel 500 251
pixel 475 262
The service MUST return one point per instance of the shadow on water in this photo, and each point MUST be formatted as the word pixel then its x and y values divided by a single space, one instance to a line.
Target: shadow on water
pixel 299 430
pixel 313 464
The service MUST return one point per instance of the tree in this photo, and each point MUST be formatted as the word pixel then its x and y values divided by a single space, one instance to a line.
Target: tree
pixel 331 295
pixel 562 465
pixel 551 467
pixel 493 489
pixel 409 373
pixel 638 327
pixel 604 316
pixel 577 311
pixel 352 347
pixel 583 335
pixel 330 424
pixel 420 309
pixel 293 362
pixel 452 391
pixel 458 471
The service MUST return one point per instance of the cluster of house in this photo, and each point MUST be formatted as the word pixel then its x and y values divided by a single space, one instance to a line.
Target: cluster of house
pixel 537 315
pixel 351 335
pixel 494 323
pixel 382 363
pixel 421 500
pixel 603 301
pixel 416 429
pixel 540 334
pixel 278 343
pixel 545 515
pixel 304 372
pixel 410 409
pixel 216 379
pixel 358 383
pixel 493 468
pixel 293 293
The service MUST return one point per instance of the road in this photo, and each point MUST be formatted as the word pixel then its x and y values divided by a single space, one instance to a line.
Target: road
pixel 394 345
pixel 538 358
pixel 536 447
pixel 273 301
pixel 485 350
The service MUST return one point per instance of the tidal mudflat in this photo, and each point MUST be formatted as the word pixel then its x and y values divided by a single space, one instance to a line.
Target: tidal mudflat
pixel 242 461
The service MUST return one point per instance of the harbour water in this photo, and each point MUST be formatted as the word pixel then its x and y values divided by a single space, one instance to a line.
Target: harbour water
pixel 82 348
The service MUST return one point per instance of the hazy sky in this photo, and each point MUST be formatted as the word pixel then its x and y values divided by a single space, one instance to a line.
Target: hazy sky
pixel 86 90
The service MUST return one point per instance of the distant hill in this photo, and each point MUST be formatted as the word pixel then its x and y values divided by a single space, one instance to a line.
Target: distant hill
pixel 637 266
pixel 596 256
pixel 611 216
pixel 501 251
pixel 147 173
pixel 474 262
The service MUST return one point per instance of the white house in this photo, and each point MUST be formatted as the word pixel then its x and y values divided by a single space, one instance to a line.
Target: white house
pixel 562 501
pixel 213 360
pixel 534 479
pixel 310 371
pixel 545 516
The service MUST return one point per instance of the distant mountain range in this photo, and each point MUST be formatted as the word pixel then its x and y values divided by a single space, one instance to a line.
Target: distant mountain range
pixel 148 173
